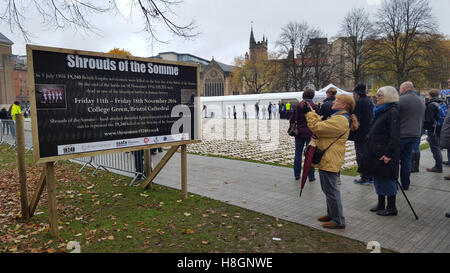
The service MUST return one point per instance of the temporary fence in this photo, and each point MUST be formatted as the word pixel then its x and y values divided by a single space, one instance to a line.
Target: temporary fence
pixel 8 133
pixel 122 163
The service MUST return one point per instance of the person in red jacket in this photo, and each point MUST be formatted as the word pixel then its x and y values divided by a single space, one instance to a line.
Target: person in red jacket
pixel 304 133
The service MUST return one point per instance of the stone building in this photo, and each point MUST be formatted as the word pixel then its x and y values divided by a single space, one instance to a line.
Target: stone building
pixel 20 80
pixel 7 96
pixel 215 77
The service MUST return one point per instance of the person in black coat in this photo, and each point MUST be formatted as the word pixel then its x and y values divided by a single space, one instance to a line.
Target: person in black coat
pixel 363 111
pixel 325 109
pixel 383 151
pixel 4 120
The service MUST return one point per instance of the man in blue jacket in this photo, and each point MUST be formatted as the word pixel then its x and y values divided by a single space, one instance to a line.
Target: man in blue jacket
pixel 364 112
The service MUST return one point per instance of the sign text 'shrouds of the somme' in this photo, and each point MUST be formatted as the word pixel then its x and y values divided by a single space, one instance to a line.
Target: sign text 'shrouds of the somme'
pixel 91 103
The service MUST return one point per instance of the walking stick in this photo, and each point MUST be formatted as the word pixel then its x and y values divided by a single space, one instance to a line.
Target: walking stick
pixel 407 200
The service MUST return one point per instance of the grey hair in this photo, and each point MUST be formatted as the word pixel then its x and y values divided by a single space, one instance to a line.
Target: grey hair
pixel 390 94
pixel 407 85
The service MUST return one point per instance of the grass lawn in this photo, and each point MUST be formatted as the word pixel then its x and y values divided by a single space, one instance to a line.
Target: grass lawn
pixel 104 214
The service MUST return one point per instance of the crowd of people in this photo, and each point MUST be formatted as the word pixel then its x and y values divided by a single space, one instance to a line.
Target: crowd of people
pixel 8 117
pixel 386 136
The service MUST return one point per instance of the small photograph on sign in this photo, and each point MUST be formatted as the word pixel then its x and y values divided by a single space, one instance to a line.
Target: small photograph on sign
pixel 50 96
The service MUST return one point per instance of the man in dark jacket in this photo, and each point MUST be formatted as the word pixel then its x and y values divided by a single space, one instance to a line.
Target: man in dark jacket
pixel 364 112
pixel 5 119
pixel 433 129
pixel 325 110
pixel 304 133
pixel 444 142
pixel 412 110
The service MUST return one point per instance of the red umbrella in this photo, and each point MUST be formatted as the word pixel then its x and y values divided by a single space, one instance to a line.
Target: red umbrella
pixel 309 153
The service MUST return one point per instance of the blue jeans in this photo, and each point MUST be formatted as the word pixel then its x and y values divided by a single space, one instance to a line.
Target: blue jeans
pixel 433 139
pixel 416 147
pixel 301 143
pixel 406 147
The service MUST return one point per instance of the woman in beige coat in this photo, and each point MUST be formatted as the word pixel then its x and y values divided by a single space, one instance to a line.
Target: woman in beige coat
pixel 332 133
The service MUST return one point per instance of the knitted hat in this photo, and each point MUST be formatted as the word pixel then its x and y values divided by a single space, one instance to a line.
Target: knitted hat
pixel 360 89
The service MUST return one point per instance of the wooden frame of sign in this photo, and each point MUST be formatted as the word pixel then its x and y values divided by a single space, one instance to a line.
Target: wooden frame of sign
pixel 59 84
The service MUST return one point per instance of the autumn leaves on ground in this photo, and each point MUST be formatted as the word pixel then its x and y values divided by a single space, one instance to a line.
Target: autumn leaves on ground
pixel 103 214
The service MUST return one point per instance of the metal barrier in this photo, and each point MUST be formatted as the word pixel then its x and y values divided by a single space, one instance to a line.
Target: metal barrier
pixel 121 162
pixel 8 126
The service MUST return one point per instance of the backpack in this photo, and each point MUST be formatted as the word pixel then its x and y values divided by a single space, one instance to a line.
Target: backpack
pixel 442 113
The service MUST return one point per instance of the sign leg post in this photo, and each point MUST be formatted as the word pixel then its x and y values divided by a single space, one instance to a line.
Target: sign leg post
pixel 51 196
pixel 183 172
pixel 148 164
pixel 20 135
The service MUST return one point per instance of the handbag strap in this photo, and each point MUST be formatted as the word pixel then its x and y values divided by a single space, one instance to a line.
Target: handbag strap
pixel 336 140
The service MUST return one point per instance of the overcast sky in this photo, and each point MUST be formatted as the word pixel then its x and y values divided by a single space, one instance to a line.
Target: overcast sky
pixel 224 26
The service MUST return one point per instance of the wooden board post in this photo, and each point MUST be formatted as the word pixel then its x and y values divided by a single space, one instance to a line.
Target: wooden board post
pixel 183 172
pixel 37 195
pixel 51 196
pixel 20 139
pixel 159 167
pixel 148 164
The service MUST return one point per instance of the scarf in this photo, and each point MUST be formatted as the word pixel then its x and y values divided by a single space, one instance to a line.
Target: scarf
pixel 378 109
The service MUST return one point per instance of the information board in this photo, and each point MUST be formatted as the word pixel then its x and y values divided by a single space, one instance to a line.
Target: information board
pixel 84 102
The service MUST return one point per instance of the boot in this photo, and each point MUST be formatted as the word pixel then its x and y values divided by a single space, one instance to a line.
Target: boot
pixel 381 204
pixel 391 209
pixel 416 162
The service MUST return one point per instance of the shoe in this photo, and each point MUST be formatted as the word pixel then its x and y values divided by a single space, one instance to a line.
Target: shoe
pixel 359 181
pixel 324 219
pixel 381 204
pixel 434 170
pixel 312 180
pixel 388 212
pixel 446 163
pixel 297 178
pixel 447 215
pixel 363 181
pixel 447 177
pixel 332 225
pixel 391 209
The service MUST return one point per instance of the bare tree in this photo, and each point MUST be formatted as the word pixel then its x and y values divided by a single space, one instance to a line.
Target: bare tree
pixel 76 14
pixel 292 43
pixel 357 29
pixel 405 28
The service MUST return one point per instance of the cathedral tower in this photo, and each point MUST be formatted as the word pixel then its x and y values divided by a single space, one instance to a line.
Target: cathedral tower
pixel 258 50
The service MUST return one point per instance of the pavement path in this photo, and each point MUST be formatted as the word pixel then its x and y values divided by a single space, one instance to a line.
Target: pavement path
pixel 272 190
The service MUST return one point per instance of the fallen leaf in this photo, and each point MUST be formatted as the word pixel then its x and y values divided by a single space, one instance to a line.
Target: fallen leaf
pixel 110 237
pixel 187 214
pixel 51 250
pixel 187 231
pixel 205 242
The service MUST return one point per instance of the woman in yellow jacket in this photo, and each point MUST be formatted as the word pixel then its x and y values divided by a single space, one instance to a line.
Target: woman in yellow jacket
pixel 333 133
